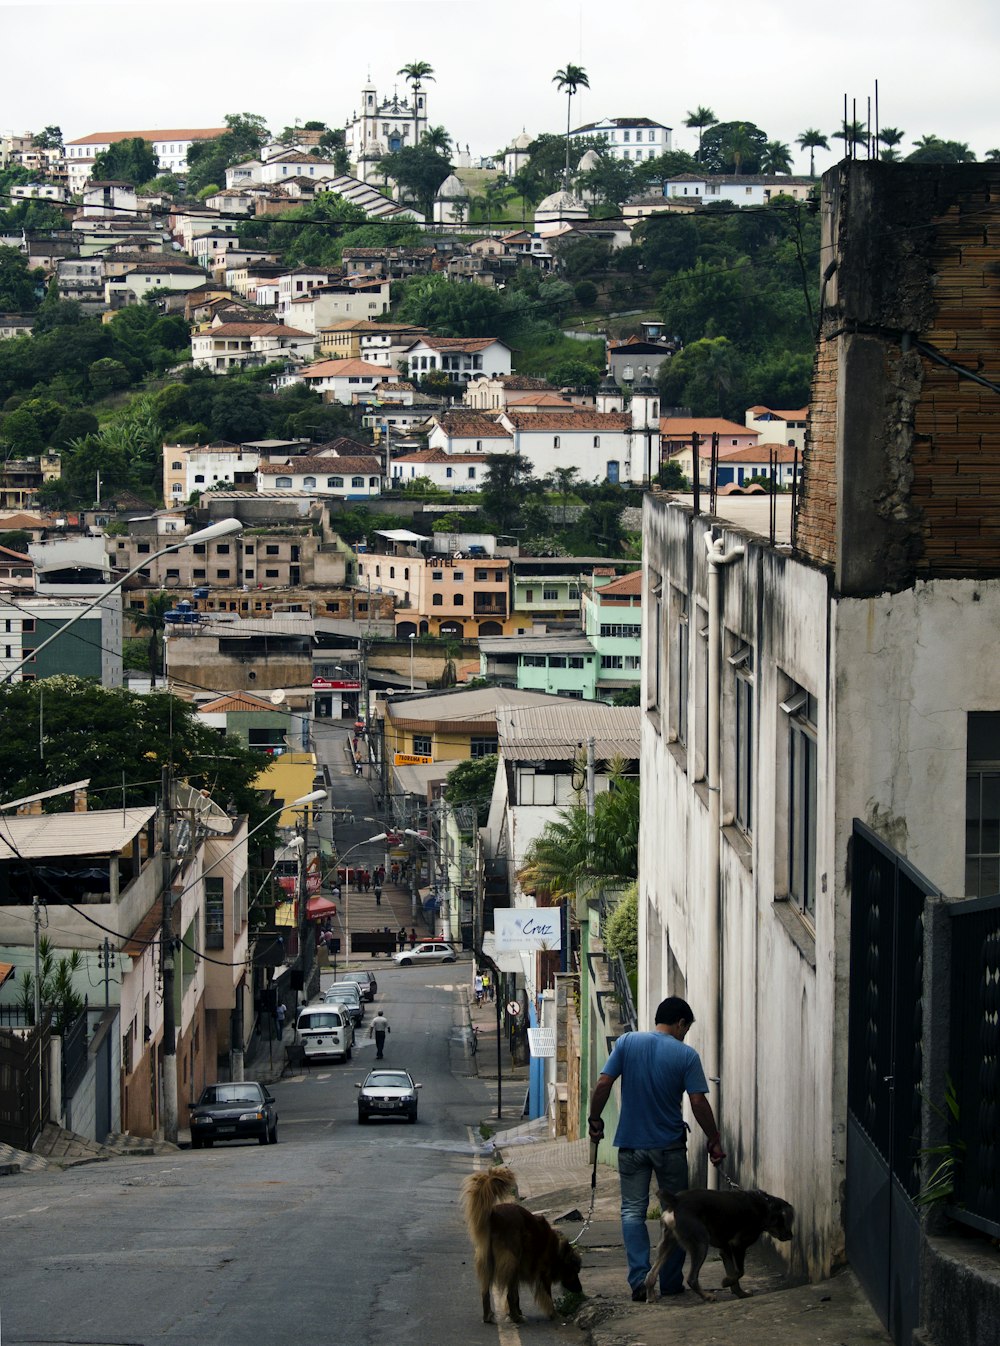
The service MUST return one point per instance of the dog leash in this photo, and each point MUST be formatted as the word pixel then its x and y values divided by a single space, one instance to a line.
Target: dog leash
pixel 733 1186
pixel 593 1195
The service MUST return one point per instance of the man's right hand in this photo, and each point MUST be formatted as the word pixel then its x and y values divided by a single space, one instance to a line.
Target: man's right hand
pixel 715 1152
pixel 595 1128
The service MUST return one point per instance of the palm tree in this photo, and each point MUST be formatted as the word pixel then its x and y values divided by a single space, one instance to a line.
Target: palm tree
pixel 776 158
pixel 700 118
pixel 812 140
pixel 152 620
pixel 852 133
pixel 576 846
pixel 992 156
pixel 890 137
pixel 737 146
pixel 437 138
pixel 415 73
pixel 572 78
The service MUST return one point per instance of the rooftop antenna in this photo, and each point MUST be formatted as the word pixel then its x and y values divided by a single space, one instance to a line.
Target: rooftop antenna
pixel 876 114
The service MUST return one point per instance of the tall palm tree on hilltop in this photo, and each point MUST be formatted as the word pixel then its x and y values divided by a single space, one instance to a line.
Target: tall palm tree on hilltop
pixel 812 140
pixel 890 137
pixel 699 119
pixel 852 134
pixel 415 73
pixel 572 78
pixel 775 158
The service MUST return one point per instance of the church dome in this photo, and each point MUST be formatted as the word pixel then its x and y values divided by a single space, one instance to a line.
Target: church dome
pixel 521 142
pixel 561 205
pixel 589 161
pixel 452 189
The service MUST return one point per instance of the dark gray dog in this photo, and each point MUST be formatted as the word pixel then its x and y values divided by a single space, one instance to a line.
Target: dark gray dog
pixel 729 1221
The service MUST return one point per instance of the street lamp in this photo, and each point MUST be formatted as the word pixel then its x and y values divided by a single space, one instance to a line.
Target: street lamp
pixel 346 924
pixel 446 907
pixel 224 528
pixel 412 634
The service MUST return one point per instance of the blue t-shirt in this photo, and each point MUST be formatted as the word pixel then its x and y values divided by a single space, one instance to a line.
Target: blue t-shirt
pixel 656 1071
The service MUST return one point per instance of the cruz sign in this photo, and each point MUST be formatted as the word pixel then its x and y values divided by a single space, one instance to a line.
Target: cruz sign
pixel 526 929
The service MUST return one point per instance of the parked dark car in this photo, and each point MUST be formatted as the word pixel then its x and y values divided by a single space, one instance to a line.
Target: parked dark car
pixel 387 1093
pixel 365 981
pixel 234 1111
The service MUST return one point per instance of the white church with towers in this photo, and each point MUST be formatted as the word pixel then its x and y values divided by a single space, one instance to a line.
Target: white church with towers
pixel 384 126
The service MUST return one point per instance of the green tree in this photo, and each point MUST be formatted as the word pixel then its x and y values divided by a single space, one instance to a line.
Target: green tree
pixel 107 376
pixel 438 139
pixel 570 78
pixel 564 480
pixel 576 847
pixel 812 140
pixel 19 285
pixel 111 735
pixel 708 376
pixel 152 620
pixel 246 133
pixel 732 147
pixel 509 485
pixel 775 158
pixel 131 160
pixel 471 782
pixel 853 133
pixel 419 171
pixel 626 696
pixel 699 119
pixel 49 138
pixel 932 150
pixel 416 73
pixel 57 993
pixel 890 136
pixel 585 293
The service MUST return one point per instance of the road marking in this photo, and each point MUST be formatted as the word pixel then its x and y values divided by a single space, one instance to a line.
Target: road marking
pixel 32 1210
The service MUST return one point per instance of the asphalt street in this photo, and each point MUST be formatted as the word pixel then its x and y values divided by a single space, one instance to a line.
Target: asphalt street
pixel 340 1233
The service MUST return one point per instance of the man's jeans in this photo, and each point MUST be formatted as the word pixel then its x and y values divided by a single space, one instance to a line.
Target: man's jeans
pixel 635 1170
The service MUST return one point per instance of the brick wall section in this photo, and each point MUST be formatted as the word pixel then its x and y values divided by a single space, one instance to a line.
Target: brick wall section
pixel 901 477
pixel 816 517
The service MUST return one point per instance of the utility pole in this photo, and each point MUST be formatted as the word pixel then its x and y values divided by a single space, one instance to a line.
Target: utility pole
pixel 37 919
pixel 169 1051
pixel 106 961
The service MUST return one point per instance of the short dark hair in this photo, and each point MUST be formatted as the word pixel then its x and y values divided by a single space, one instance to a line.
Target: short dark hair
pixel 672 1010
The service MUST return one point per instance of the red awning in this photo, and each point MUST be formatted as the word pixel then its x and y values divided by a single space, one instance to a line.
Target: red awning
pixel 318 907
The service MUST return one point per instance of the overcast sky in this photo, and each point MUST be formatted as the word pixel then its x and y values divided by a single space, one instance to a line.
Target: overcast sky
pixel 783 64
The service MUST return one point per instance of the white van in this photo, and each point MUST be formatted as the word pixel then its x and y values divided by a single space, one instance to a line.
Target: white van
pixel 325 1031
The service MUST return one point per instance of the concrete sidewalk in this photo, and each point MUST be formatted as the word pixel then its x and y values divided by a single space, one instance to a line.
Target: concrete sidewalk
pixel 554 1179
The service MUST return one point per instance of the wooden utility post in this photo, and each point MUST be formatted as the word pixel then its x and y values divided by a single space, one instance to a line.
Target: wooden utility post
pixel 169 1049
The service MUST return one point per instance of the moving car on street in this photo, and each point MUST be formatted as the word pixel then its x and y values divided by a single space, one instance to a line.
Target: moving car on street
pixel 387 1093
pixel 428 951
pixel 234 1111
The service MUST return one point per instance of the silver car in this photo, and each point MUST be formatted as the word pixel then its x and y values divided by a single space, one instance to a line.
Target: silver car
pixel 387 1093
pixel 347 995
pixel 429 951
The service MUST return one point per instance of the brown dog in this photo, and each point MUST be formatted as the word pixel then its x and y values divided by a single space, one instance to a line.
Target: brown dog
pixel 512 1245
pixel 729 1221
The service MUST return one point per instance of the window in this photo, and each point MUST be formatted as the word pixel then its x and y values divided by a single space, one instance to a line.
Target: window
pixel 801 709
pixel 437 600
pixel 982 804
pixel 597 441
pixel 481 575
pixel 143 549
pixel 679 708
pixel 610 661
pixel 271 574
pixel 357 481
pixel 533 660
pixel 199 477
pixel 472 474
pixel 576 661
pixel 335 482
pixel 222 549
pixel 222 574
pixel 269 550
pixel 627 630
pixel 449 472
pixel 529 595
pixel 422 745
pixel 372 482
pixel 214 913
pixel 482 747
pixel 459 600
pixel 555 441
pixel 742 664
pixel 437 576
pixel 550 595
pixel 176 467
pixel 458 576
pixel 557 661
pixel 283 483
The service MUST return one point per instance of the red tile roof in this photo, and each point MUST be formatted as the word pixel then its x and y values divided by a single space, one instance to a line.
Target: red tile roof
pixel 471 425
pixel 113 137
pixel 679 427
pixel 252 329
pixel 335 466
pixel 469 345
pixel 762 453
pixel 569 421
pixel 439 456
pixel 346 369
pixel 628 586
pixel 798 415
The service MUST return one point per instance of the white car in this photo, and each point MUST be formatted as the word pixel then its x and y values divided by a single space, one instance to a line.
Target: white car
pixel 430 951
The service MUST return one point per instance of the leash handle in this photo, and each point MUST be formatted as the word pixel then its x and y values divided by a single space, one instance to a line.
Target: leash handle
pixel 593 1159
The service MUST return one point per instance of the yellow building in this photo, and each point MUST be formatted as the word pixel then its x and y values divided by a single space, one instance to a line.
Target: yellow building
pixel 289 777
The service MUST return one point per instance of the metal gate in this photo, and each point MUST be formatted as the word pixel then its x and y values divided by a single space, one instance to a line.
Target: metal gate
pixel 24 1086
pixel 884 1069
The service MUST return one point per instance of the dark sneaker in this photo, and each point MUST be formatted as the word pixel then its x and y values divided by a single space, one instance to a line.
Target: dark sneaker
pixel 639 1295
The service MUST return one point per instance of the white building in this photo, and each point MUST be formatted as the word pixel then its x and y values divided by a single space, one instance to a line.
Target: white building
pixel 328 303
pixel 110 198
pixel 232 344
pixel 778 427
pixel 342 380
pixel 170 147
pixel 384 126
pixel 349 477
pixel 461 358
pixel 851 687
pixel 450 471
pixel 631 139
pixel 738 189
pixel 132 287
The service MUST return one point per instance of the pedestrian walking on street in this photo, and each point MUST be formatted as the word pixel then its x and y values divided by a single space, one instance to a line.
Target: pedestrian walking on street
pixel 395 873
pixel 656 1070
pixel 401 938
pixel 477 985
pixel 413 937
pixel 357 880
pixel 487 986
pixel 279 1018
pixel 379 1028
pixel 367 880
pixel 378 893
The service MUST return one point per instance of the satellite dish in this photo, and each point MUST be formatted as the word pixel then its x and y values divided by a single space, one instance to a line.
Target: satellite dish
pixel 203 807
pixel 277 697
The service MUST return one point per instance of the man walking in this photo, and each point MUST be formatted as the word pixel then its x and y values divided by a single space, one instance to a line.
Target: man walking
pixel 279 1018
pixel 656 1069
pixel 379 1028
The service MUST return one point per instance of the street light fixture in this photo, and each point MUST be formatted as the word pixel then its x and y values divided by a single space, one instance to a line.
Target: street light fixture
pixel 224 528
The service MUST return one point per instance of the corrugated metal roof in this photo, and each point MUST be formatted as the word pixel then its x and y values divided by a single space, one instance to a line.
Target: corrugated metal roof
pixel 557 731
pixel 414 780
pixel 478 703
pixel 97 832
pixel 552 642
